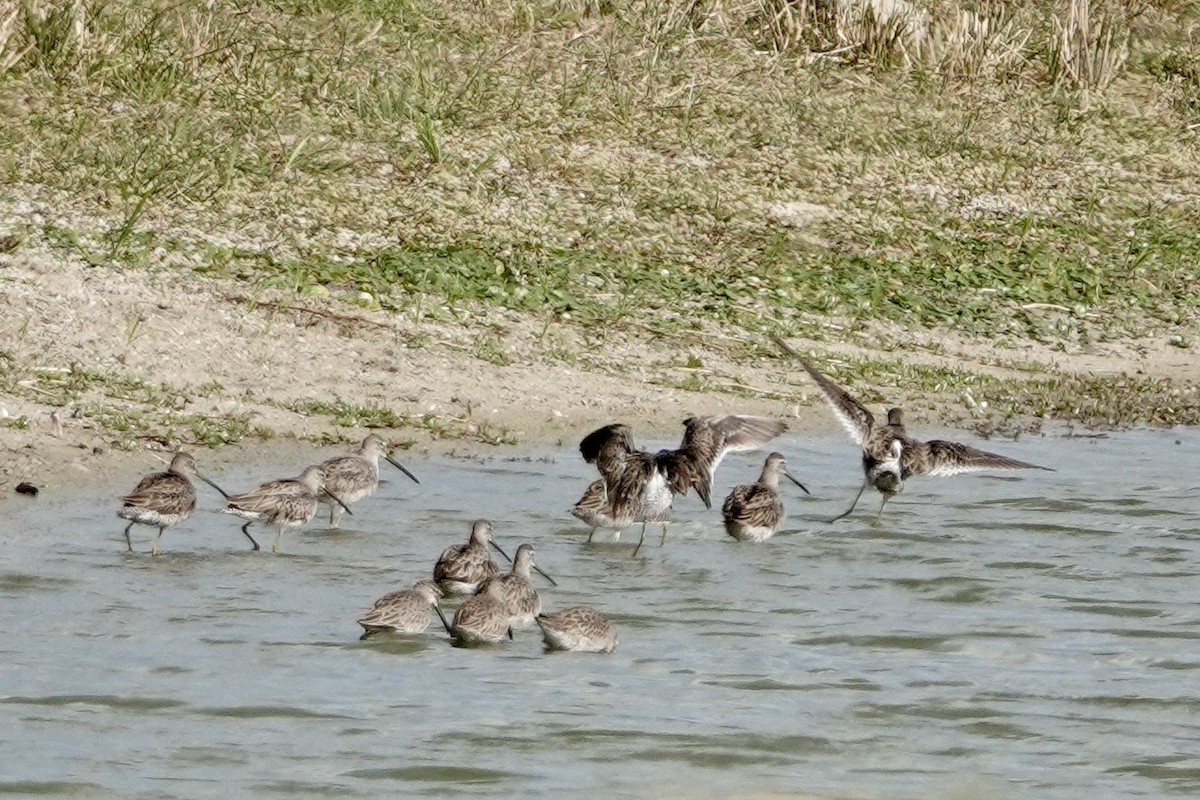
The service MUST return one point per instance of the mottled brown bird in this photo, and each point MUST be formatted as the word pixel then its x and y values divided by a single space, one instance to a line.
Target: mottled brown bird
pixel 889 455
pixel 282 504
pixel 462 567
pixel 754 511
pixel 578 628
pixel 482 617
pixel 404 611
pixel 640 486
pixel 164 498
pixel 520 598
pixel 356 476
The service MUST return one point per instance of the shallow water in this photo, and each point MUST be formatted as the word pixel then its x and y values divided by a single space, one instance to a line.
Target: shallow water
pixel 995 635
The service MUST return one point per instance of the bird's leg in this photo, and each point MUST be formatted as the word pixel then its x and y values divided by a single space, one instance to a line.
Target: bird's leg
pixel 591 533
pixel 154 549
pixel 641 539
pixel 246 530
pixel 332 518
pixel 879 516
pixel 664 535
pixel 278 539
pixel 852 505
pixel 128 541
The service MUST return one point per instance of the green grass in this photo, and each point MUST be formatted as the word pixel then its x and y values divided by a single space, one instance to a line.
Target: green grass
pixel 624 166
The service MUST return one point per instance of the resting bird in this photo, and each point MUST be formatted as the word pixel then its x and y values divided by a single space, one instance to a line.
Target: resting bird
pixel 462 567
pixel 521 600
pixel 356 476
pixel 163 499
pixel 483 617
pixel 754 511
pixel 404 611
pixel 639 486
pixel 578 628
pixel 889 456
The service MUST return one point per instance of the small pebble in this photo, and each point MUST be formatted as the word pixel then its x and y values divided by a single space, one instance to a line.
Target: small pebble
pixel 25 487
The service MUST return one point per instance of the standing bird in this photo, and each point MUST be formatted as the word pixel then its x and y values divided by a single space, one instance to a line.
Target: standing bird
pixel 163 498
pixel 639 486
pixel 462 567
pixel 889 456
pixel 356 476
pixel 405 611
pixel 287 503
pixel 520 599
pixel 482 617
pixel 578 628
pixel 593 509
pixel 754 511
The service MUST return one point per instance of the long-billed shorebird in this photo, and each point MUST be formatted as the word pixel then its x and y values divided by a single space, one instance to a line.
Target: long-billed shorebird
pixel 754 511
pixel 640 486
pixel 578 628
pixel 284 504
pixel 462 567
pixel 889 455
pixel 482 617
pixel 593 509
pixel 163 499
pixel 356 476
pixel 520 598
pixel 404 611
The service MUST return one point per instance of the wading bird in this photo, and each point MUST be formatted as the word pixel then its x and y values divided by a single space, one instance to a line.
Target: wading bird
pixel 889 455
pixel 639 486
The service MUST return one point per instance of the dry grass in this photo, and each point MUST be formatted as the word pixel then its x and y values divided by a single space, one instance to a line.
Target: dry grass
pixel 660 163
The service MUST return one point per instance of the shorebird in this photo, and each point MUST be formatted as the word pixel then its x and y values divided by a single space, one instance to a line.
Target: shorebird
pixel 163 499
pixel 593 509
pixel 482 617
pixel 520 598
pixel 405 611
pixel 462 567
pixel 356 476
pixel 578 628
pixel 754 511
pixel 889 456
pixel 287 503
pixel 639 486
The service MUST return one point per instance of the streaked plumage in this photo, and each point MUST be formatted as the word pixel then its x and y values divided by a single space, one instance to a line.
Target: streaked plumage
pixel 889 455
pixel 404 611
pixel 283 504
pixel 516 590
pixel 482 617
pixel 163 499
pixel 462 567
pixel 754 511
pixel 640 486
pixel 593 509
pixel 356 476
pixel 578 628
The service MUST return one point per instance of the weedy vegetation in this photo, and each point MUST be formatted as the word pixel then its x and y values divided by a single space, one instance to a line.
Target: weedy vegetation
pixel 658 166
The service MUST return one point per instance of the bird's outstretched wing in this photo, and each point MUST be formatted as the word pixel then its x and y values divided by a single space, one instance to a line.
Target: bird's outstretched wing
pixel 706 440
pixel 951 458
pixel 852 414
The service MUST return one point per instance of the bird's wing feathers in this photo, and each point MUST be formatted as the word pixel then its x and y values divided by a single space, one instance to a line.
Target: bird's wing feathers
pixel 951 458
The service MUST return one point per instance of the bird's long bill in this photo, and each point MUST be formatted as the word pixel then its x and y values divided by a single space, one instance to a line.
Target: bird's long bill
pixel 544 575
pixel 224 493
pixel 792 478
pixel 501 552
pixel 338 500
pixel 442 617
pixel 402 468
